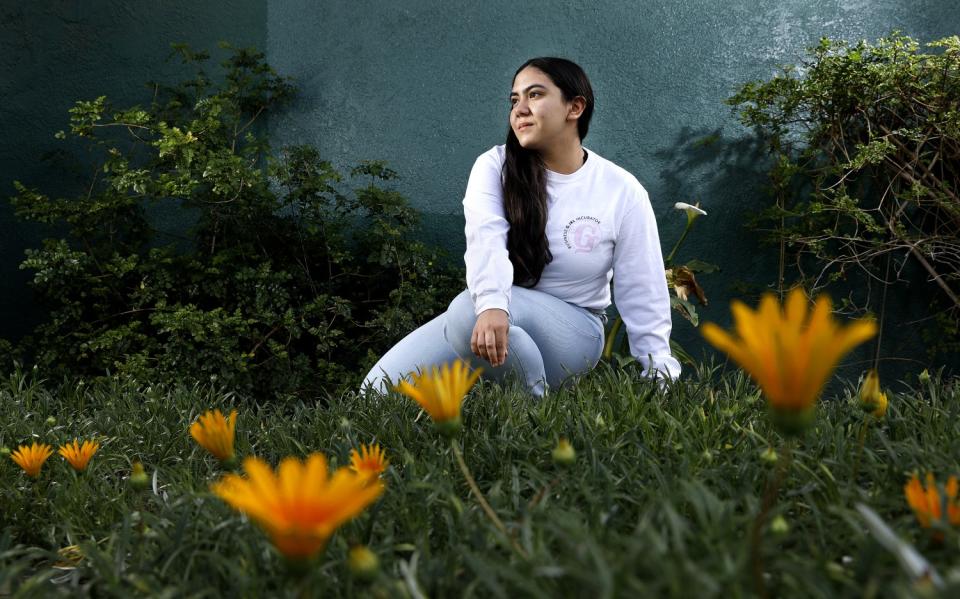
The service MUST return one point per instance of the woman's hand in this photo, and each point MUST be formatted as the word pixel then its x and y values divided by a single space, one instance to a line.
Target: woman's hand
pixel 489 339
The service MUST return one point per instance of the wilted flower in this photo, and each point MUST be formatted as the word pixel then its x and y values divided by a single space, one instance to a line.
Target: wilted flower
pixel 789 353
pixel 215 433
pixel 693 211
pixel 301 505
pixel 31 458
pixel 370 461
pixel 440 392
pixel 684 283
pixel 70 556
pixel 79 455
pixel 926 503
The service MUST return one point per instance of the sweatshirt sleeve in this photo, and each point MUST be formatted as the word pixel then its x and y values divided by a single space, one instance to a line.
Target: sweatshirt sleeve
pixel 489 270
pixel 640 290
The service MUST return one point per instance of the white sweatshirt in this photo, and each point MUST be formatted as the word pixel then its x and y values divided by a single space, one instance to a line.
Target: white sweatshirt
pixel 600 226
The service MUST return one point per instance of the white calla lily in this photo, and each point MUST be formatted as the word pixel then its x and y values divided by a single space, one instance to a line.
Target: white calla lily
pixel 690 208
pixel 693 211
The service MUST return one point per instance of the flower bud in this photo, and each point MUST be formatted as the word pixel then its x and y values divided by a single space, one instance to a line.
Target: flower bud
pixel 870 392
pixel 363 563
pixel 51 421
pixel 881 410
pixel 563 453
pixel 769 455
pixel 779 526
pixel 924 377
pixel 138 477
pixel 4 451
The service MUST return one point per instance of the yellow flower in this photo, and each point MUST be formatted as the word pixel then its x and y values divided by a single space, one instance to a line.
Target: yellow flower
pixel 31 458
pixel 370 461
pixel 871 398
pixel 789 353
pixel 440 392
pixel 79 455
pixel 302 504
pixel 215 433
pixel 926 503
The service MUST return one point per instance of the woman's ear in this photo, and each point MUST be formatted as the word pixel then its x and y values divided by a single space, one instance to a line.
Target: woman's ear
pixel 577 105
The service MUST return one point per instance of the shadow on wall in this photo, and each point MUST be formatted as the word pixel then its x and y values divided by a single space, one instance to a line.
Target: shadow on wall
pixel 726 176
pixel 729 176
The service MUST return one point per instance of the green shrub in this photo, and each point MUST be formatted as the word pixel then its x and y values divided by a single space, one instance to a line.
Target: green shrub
pixel 864 140
pixel 281 284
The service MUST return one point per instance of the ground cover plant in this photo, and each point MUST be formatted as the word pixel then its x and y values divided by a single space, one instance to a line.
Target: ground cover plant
pixel 657 498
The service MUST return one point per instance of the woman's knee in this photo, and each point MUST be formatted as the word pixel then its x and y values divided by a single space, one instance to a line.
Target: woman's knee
pixel 459 322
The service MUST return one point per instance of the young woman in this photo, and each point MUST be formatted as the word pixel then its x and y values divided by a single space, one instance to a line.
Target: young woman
pixel 549 223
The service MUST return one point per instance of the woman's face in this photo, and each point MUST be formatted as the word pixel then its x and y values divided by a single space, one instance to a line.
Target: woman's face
pixel 539 116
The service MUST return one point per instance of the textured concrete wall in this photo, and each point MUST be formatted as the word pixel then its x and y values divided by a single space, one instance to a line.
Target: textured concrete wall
pixel 53 53
pixel 424 85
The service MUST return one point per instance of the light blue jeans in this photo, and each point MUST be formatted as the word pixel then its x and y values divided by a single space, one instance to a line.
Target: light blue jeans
pixel 549 341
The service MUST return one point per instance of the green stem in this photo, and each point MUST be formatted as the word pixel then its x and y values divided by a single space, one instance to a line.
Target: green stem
pixel 481 500
pixel 676 246
pixel 769 499
pixel 861 439
pixel 611 337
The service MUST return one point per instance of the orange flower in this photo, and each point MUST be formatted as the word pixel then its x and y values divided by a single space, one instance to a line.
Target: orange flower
pixel 790 353
pixel 31 458
pixel 215 433
pixel 440 392
pixel 926 503
pixel 301 505
pixel 370 461
pixel 79 455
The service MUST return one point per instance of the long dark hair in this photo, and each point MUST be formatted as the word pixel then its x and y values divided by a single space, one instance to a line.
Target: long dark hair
pixel 525 179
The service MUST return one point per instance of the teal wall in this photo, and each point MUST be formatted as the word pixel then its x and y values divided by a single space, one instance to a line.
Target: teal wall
pixel 53 53
pixel 423 85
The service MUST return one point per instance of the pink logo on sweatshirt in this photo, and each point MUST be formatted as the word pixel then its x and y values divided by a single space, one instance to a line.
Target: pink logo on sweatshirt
pixel 582 234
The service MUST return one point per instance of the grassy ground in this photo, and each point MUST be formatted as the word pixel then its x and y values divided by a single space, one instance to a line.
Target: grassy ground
pixel 660 501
